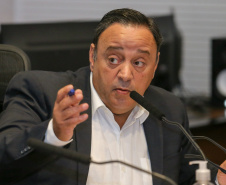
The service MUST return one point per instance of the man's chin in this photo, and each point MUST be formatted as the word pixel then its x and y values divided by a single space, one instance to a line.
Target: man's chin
pixel 122 107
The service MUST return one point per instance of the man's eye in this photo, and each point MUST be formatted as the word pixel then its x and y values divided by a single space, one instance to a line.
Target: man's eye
pixel 113 60
pixel 139 64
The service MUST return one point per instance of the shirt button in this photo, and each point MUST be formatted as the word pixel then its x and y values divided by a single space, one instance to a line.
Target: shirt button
pixel 123 169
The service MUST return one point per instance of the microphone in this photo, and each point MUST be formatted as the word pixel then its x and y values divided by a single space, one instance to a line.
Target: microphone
pixel 212 163
pixel 70 154
pixel 212 141
pixel 62 152
pixel 144 102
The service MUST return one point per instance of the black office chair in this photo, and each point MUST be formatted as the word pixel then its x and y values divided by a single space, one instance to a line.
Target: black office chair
pixel 12 61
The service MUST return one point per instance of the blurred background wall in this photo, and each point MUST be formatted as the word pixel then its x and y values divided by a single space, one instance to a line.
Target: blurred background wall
pixel 198 21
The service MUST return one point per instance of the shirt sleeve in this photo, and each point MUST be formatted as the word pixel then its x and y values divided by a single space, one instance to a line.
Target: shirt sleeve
pixel 216 181
pixel 51 138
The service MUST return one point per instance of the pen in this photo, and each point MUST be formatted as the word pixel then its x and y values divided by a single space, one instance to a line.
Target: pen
pixel 71 92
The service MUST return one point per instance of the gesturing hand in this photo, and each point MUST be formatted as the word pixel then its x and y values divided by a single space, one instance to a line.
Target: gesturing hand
pixel 67 113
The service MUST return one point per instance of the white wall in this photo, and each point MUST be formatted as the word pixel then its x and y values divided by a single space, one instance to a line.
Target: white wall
pixel 6 11
pixel 198 21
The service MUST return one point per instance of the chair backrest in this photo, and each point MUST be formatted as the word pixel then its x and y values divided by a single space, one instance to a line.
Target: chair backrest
pixel 12 61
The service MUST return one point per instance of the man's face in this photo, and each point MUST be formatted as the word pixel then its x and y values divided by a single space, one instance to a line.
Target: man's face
pixel 126 60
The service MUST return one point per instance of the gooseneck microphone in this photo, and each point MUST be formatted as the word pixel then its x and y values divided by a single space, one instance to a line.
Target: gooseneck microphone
pixel 144 102
pixel 47 148
pixel 193 156
pixel 212 141
pixel 73 155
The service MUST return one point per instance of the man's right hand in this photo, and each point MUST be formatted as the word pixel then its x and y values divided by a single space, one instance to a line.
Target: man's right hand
pixel 67 113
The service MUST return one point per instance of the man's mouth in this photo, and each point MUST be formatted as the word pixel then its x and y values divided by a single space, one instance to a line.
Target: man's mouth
pixel 122 90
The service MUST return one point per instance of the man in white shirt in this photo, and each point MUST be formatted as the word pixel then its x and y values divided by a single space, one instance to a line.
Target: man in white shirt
pixel 123 57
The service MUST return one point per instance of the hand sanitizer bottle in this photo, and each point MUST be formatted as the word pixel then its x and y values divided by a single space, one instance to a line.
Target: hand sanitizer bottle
pixel 202 174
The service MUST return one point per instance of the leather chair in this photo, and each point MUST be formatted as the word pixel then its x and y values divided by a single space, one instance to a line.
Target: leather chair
pixel 12 61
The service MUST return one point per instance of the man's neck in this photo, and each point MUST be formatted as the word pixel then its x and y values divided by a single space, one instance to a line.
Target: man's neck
pixel 121 118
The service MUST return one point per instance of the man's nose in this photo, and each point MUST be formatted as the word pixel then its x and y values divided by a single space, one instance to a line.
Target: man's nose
pixel 125 71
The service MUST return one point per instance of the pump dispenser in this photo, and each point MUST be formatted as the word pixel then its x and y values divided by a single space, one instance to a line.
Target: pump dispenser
pixel 202 174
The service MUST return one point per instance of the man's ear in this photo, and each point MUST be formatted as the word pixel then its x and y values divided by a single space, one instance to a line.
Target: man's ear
pixel 91 56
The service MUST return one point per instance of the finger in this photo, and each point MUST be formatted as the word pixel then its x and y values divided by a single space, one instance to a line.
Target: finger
pixel 69 101
pixel 77 97
pixel 72 92
pixel 63 92
pixel 65 131
pixel 78 91
pixel 74 121
pixel 74 111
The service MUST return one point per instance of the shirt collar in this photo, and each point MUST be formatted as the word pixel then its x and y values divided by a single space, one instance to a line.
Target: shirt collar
pixel 96 102
pixel 138 112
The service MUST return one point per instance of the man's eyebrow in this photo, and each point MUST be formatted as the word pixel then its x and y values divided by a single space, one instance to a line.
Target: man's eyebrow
pixel 143 51
pixel 114 48
pixel 121 48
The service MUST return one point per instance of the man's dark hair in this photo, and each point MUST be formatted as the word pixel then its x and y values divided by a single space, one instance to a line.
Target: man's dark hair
pixel 127 16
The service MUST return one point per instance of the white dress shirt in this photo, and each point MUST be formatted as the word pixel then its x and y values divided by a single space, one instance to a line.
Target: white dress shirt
pixel 109 142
